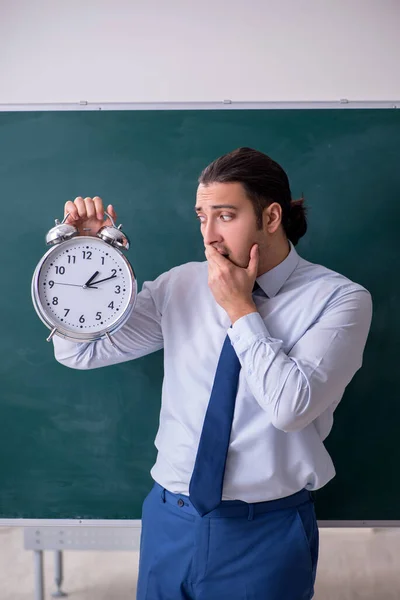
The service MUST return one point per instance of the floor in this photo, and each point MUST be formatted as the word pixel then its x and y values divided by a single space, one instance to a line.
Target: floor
pixel 355 564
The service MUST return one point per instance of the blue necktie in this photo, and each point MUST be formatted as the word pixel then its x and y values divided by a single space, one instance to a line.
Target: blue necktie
pixel 205 487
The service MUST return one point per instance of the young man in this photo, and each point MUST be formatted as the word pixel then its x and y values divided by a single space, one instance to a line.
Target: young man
pixel 259 346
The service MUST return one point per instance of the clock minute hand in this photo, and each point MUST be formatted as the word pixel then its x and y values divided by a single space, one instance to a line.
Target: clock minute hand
pixel 101 280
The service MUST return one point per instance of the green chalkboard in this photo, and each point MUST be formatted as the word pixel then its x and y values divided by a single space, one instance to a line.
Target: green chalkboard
pixel 76 444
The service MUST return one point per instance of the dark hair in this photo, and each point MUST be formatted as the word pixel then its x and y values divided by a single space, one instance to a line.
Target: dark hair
pixel 264 182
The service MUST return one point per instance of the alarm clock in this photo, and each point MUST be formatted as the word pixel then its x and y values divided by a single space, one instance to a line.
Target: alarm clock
pixel 84 288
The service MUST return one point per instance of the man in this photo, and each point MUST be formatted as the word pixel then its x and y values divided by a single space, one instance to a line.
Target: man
pixel 259 346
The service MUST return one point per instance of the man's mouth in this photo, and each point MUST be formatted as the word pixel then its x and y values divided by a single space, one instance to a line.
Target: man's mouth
pixel 223 252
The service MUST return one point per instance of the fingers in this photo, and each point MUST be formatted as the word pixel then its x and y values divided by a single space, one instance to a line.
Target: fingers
pixel 98 207
pixel 252 268
pixel 80 207
pixel 72 210
pixel 111 211
pixel 90 208
pixel 213 255
pixel 84 208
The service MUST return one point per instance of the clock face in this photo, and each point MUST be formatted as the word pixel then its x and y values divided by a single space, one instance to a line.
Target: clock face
pixel 84 286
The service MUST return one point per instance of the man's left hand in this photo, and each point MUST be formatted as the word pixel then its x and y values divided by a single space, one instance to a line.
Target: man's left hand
pixel 232 286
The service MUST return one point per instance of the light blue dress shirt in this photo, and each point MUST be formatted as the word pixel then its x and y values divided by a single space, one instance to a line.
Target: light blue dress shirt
pixel 298 353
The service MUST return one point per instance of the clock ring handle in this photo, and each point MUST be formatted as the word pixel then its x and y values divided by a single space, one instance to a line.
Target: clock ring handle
pixel 105 212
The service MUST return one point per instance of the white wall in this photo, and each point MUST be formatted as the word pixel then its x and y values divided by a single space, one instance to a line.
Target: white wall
pixel 209 50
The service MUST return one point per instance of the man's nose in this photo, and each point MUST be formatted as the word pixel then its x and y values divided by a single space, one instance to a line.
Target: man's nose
pixel 210 233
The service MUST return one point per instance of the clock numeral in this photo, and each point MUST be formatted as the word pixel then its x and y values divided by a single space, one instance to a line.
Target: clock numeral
pixel 117 289
pixel 98 316
pixel 81 319
pixel 87 255
pixel 51 283
pixel 66 311
pixel 114 272
pixel 71 259
pixel 55 301
pixel 111 305
pixel 102 260
pixel 60 270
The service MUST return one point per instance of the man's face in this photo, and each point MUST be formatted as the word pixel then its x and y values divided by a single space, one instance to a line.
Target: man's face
pixel 228 221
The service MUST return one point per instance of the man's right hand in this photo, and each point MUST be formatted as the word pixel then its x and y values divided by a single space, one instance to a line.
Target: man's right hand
pixel 87 214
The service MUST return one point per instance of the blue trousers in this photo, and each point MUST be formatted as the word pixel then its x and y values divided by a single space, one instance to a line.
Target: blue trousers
pixel 239 551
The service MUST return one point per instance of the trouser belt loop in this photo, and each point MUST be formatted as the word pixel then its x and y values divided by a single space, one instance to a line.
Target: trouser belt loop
pixel 163 495
pixel 251 512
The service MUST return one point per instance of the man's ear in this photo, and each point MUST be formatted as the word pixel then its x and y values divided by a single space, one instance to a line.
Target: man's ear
pixel 272 217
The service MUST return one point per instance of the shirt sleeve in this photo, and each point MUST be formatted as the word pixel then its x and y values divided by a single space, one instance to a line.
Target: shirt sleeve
pixel 297 387
pixel 141 334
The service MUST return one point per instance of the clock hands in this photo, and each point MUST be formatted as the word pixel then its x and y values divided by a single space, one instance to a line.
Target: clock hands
pixel 89 281
pixel 101 280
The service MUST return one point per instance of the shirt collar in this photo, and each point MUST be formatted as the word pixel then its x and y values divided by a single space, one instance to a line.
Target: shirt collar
pixel 272 281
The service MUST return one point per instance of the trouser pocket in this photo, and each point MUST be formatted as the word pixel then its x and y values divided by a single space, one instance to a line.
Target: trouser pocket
pixel 309 530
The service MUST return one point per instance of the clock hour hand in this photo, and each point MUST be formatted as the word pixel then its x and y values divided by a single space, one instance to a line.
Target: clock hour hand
pixel 87 284
pixel 101 280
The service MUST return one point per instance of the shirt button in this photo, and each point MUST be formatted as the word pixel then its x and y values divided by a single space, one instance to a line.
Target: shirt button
pixel 180 502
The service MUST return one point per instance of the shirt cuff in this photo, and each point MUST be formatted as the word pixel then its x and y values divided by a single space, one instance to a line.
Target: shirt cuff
pixel 246 330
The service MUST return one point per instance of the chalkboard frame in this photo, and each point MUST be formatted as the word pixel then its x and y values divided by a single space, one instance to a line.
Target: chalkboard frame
pixel 226 104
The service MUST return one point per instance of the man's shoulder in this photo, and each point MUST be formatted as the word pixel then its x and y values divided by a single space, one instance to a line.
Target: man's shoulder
pixel 189 269
pixel 318 274
pixel 176 282
pixel 179 276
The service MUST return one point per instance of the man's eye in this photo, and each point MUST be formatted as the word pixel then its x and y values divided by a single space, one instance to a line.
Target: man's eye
pixel 224 218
